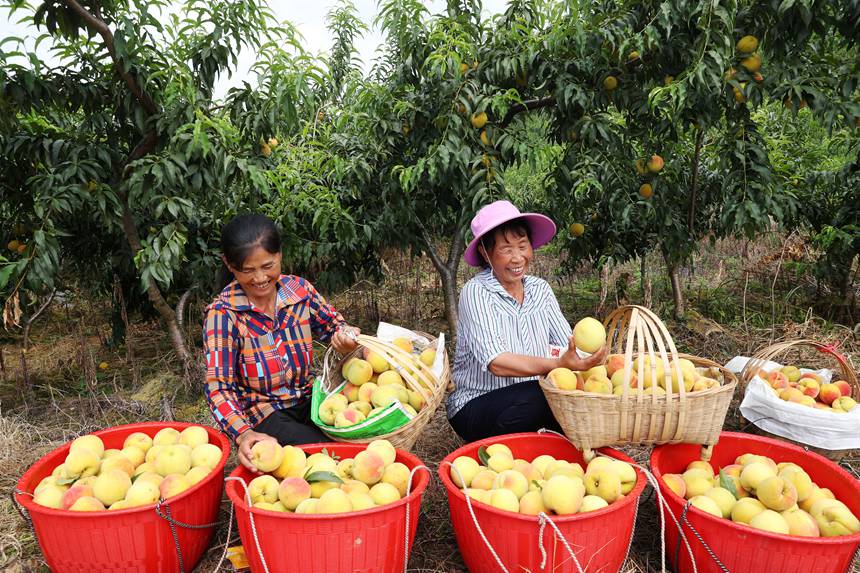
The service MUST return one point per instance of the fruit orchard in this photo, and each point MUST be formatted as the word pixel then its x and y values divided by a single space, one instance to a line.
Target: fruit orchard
pixel 658 120
pixel 661 137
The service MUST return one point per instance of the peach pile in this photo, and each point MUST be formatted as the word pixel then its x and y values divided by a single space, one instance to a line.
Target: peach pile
pixel 372 386
pixel 545 484
pixel 808 389
pixel 609 377
pixel 319 483
pixel 762 494
pixel 145 470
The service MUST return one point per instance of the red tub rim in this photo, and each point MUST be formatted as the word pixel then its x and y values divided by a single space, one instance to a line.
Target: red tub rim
pixel 419 483
pixel 840 540
pixel 632 497
pixel 26 499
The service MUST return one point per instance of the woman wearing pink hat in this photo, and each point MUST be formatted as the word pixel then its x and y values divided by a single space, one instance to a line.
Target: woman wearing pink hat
pixel 507 322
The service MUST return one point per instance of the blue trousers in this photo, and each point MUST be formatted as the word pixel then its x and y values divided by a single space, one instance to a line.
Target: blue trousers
pixel 519 407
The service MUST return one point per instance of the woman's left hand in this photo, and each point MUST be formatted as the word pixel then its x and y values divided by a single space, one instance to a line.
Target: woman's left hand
pixel 344 339
pixel 570 359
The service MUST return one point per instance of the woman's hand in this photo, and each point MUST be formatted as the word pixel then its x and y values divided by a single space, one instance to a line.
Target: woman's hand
pixel 570 359
pixel 344 339
pixel 245 442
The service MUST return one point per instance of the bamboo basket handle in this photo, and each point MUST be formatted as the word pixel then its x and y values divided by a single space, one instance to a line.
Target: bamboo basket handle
pixel 656 336
pixel 769 353
pixel 397 357
pixel 667 373
pixel 327 367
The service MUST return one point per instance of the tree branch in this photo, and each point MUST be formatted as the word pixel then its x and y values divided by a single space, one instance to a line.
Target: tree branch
pixel 527 105
pixel 431 252
pixel 99 26
pixel 33 318
pixel 459 239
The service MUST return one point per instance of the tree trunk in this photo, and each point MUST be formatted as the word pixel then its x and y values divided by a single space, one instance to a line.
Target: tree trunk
pixel 645 279
pixel 168 316
pixel 604 289
pixel 449 291
pixel 677 292
pixel 448 269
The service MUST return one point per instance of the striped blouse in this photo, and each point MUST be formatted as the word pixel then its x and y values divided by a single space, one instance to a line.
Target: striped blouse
pixel 492 322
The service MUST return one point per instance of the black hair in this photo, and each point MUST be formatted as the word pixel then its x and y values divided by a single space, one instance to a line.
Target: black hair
pixel 517 227
pixel 240 236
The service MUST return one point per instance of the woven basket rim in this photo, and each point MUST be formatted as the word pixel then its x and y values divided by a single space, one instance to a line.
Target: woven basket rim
pixel 406 435
pixel 731 382
pixel 768 353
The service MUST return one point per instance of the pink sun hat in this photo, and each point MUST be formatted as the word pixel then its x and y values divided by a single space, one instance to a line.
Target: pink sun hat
pixel 491 216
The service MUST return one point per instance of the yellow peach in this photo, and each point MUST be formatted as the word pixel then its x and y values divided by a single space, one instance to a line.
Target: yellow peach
pixel 87 503
pixel 166 437
pixel 266 455
pixel 292 491
pixel 333 500
pixel 384 493
pixel 194 436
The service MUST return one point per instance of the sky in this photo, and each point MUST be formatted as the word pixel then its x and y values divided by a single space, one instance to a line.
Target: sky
pixel 308 17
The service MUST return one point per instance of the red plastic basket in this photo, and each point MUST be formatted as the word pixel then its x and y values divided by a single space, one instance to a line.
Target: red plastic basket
pixel 600 539
pixel 368 541
pixel 743 549
pixel 126 540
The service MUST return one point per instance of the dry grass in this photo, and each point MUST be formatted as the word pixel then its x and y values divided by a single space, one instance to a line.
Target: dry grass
pixel 67 405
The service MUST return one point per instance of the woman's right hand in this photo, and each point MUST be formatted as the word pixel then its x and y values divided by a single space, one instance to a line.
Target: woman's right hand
pixel 245 442
pixel 570 359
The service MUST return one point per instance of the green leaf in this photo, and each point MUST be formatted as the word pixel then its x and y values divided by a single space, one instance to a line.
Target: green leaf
pixel 322 476
pixel 483 456
pixel 728 483
pixel 332 455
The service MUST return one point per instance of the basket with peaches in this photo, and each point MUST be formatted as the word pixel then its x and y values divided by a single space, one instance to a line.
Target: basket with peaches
pixel 814 408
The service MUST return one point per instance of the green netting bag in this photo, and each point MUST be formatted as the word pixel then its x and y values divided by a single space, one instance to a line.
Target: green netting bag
pixel 391 418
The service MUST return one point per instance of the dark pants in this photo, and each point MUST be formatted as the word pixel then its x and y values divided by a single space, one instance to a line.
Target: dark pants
pixel 293 426
pixel 521 407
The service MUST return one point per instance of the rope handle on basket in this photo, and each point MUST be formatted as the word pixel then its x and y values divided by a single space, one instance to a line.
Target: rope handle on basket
pixel 250 518
pixel 408 508
pixel 664 508
pixel 707 547
pixel 257 540
pixel 22 511
pixel 227 538
pixel 543 519
pixel 587 453
pixel 475 519
pixel 166 515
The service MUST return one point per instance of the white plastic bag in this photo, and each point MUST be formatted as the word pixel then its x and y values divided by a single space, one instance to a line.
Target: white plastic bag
pixel 388 332
pixel 811 426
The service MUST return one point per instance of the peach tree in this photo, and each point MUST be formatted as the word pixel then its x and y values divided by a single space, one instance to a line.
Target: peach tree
pixel 119 160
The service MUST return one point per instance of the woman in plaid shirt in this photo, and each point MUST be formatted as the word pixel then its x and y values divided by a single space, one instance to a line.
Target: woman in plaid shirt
pixel 258 336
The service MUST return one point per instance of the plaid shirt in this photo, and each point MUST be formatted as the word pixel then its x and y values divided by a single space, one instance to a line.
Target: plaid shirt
pixel 256 365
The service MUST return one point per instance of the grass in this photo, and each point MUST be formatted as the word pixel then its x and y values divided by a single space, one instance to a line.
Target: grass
pixel 730 313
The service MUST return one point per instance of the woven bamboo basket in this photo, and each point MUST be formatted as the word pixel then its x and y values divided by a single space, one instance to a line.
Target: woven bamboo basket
pixel 774 351
pixel 592 420
pixel 430 388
